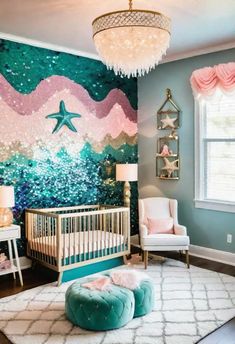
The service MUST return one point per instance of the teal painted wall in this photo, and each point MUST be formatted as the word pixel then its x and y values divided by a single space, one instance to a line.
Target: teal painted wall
pixel 206 227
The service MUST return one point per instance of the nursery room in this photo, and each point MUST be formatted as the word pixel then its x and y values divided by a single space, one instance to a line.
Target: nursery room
pixel 117 172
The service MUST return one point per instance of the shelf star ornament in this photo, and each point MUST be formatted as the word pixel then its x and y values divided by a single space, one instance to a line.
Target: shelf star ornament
pixel 168 122
pixel 168 114
pixel 170 166
pixel 63 117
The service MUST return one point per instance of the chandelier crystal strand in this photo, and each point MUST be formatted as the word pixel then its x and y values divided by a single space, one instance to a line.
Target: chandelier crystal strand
pixel 131 42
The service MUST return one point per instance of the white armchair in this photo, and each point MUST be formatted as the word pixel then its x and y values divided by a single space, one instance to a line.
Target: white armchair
pixel 159 208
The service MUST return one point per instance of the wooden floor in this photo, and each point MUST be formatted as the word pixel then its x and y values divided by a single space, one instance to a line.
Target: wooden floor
pixel 223 335
pixel 203 263
pixel 40 275
pixel 32 278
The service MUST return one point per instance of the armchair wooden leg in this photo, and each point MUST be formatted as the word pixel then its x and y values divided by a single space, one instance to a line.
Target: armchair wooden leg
pixel 187 259
pixel 145 259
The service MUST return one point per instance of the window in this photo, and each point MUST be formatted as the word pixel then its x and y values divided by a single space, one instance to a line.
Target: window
pixel 215 152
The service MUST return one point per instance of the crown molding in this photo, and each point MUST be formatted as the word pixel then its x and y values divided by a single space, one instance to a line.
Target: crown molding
pixel 198 52
pixel 167 59
pixel 46 45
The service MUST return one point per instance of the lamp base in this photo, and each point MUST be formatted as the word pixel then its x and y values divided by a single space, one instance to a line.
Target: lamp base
pixel 127 194
pixel 6 217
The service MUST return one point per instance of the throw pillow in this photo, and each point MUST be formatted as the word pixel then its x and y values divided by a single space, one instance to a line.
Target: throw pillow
pixel 160 226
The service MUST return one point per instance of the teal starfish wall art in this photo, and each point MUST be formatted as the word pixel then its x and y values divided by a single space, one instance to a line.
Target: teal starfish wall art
pixel 63 117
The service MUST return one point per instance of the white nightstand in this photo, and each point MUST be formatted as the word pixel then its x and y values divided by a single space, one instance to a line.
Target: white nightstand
pixel 10 234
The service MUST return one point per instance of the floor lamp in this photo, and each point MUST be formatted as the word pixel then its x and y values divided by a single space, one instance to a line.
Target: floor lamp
pixel 126 173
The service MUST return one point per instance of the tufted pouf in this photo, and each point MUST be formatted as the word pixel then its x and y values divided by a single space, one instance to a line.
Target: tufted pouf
pixel 144 298
pixel 99 310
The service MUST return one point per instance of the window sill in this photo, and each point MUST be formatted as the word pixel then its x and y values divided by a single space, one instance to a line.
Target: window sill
pixel 215 205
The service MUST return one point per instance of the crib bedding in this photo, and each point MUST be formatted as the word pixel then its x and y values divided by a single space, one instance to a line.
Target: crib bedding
pixel 76 243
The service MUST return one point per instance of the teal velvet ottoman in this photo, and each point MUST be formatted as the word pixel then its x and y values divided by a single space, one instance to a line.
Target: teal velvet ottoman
pixel 144 298
pixel 99 310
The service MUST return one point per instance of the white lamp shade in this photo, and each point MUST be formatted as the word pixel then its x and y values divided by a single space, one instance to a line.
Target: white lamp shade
pixel 126 172
pixel 7 197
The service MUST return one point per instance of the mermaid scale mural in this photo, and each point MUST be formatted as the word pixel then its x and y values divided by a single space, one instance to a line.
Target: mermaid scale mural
pixel 64 120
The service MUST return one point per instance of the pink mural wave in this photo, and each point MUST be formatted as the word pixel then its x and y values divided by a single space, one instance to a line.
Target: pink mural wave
pixel 27 104
pixel 89 128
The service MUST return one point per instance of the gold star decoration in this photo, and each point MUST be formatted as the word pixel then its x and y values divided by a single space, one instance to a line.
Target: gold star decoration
pixel 168 122
pixel 170 166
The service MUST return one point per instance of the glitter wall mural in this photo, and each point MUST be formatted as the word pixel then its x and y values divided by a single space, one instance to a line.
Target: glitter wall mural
pixel 64 123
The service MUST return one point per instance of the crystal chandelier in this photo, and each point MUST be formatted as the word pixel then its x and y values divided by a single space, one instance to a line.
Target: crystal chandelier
pixel 131 42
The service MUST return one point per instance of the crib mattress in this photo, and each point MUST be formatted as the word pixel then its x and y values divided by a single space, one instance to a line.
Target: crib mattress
pixel 76 243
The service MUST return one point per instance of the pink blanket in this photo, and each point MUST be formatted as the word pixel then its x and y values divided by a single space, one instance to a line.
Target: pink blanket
pixel 125 278
pixel 100 283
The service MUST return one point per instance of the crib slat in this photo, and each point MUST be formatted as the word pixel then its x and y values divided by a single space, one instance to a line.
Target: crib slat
pixel 84 238
pixel 44 239
pixel 40 235
pixel 74 227
pixel 88 243
pixel 54 238
pixel 121 225
pixel 46 236
pixel 112 229
pixel 104 241
pixel 80 243
pixel 70 240
pixel 58 243
pixel 118 233
pixel 93 234
pixel 34 236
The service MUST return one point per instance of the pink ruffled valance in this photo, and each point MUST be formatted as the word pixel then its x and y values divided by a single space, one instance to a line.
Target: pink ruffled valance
pixel 204 81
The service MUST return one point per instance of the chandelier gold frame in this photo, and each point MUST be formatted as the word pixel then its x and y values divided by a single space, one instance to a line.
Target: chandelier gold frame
pixel 120 36
pixel 136 17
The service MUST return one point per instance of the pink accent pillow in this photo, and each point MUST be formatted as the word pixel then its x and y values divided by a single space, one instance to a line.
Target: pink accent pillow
pixel 160 226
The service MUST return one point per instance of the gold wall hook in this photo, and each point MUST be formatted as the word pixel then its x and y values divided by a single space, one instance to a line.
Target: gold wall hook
pixel 168 93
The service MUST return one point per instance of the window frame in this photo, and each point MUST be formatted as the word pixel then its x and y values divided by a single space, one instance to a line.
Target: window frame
pixel 199 168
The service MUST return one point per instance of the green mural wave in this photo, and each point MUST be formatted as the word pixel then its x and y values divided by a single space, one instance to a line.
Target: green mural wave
pixel 64 180
pixel 25 66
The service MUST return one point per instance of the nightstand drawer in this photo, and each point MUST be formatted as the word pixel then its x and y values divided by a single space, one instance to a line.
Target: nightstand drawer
pixel 11 233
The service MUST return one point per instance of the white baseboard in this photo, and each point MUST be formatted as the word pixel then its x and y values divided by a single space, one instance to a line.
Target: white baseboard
pixel 25 263
pixel 211 254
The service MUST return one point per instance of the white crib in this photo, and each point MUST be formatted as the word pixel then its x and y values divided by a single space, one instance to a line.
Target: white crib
pixel 70 237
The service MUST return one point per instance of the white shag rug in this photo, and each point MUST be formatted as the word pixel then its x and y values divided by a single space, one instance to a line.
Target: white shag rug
pixel 189 304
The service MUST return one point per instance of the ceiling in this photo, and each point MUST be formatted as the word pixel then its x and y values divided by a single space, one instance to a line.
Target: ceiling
pixel 198 26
